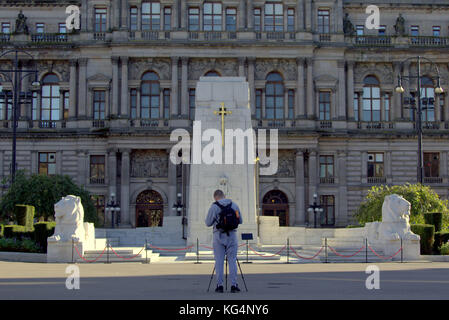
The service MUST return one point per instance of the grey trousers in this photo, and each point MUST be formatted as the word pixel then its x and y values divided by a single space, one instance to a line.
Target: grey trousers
pixel 225 245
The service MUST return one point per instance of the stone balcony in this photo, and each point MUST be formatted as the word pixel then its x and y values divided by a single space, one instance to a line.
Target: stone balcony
pixel 394 41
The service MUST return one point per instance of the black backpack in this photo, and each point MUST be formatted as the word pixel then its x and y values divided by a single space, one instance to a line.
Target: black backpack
pixel 228 218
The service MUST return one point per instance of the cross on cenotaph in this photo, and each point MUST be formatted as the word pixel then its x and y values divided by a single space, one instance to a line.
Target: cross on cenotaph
pixel 222 112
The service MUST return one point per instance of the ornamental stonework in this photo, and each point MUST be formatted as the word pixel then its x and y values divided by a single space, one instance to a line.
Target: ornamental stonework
pixel 286 164
pixel 137 67
pixel 383 71
pixel 225 67
pixel 61 68
pixel 287 67
pixel 149 164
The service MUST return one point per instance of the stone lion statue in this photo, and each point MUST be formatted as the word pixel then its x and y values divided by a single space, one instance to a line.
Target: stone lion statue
pixel 69 214
pixel 395 219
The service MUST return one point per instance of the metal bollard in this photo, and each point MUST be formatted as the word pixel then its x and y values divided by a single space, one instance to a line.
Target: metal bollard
pixel 402 252
pixel 288 250
pixel 107 253
pixel 366 250
pixel 72 249
pixel 197 252
pixel 325 250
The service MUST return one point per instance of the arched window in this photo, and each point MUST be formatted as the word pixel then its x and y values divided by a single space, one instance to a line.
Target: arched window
pixel 149 209
pixel 274 96
pixel 428 99
pixel 275 203
pixel 212 73
pixel 150 96
pixel 50 110
pixel 371 99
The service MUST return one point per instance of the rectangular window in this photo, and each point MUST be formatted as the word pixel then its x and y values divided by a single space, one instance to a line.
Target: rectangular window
pixel 167 18
pixel 257 19
pixel 6 27
pixel 40 27
pixel 62 28
pixel 100 19
pixel 326 167
pixel 356 106
pixel 166 103
pixel 323 21
pixel 151 16
pixel 194 19
pixel 192 103
pixel 360 29
pixel 375 165
pixel 99 104
pixel 291 103
pixel 328 215
pixel 414 31
pixel 291 20
pixel 259 104
pixel 274 17
pixel 6 99
pixel 436 31
pixel 431 164
pixel 386 107
pixel 133 96
pixel 2 103
pixel 65 104
pixel 97 169
pixel 99 204
pixel 231 19
pixel 34 114
pixel 47 163
pixel 133 16
pixel 382 30
pixel 325 105
pixel 212 16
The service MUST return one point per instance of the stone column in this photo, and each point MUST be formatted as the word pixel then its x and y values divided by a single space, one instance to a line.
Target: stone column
pixel 174 87
pixel 112 172
pixel 184 88
pixel 341 91
pixel 242 67
pixel 252 90
pixel 312 174
pixel 341 216
pixel 72 93
pixel 407 85
pixel 115 88
pixel 397 105
pixel 82 169
pixel 300 217
pixel 124 191
pixel 300 15
pixel 444 172
pixel 183 14
pixel 125 11
pixel 350 92
pixel 171 185
pixel 308 15
pixel 250 14
pixel 116 6
pixel 174 15
pixel 309 97
pixel 124 109
pixel 446 108
pixel 84 15
pixel 82 92
pixel 437 107
pixel 242 16
pixel 300 109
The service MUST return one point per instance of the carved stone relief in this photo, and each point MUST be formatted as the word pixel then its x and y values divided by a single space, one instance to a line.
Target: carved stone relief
pixel 149 163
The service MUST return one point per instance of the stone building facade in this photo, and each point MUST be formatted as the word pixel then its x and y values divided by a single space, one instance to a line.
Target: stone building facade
pixel 112 92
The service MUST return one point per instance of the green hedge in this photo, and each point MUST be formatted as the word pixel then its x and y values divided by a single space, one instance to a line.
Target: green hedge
pixel 13 231
pixel 24 215
pixel 1 231
pixel 14 245
pixel 435 218
pixel 440 238
pixel 445 249
pixel 427 234
pixel 42 231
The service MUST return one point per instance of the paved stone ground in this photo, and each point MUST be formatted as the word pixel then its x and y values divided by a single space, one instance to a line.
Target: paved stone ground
pixel 189 281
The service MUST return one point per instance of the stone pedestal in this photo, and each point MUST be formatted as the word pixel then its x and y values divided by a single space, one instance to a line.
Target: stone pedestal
pixel 237 181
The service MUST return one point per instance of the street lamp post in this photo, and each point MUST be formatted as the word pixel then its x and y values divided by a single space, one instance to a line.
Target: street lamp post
pixel 178 207
pixel 16 81
pixel 113 207
pixel 315 208
pixel 418 125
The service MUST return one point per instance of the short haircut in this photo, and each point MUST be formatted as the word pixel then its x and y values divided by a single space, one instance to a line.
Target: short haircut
pixel 219 194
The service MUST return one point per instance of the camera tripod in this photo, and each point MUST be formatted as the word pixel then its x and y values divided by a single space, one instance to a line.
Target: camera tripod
pixel 226 272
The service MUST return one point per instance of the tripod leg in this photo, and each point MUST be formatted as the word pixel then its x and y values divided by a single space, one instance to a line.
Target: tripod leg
pixel 211 277
pixel 241 273
pixel 226 270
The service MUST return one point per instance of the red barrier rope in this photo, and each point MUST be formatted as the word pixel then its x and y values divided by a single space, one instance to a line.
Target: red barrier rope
pixel 345 256
pixel 90 261
pixel 130 258
pixel 181 249
pixel 385 258
pixel 262 255
pixel 306 257
pixel 210 248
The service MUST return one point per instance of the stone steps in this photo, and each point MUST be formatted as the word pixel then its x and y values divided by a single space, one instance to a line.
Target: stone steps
pixel 241 255
pixel 127 254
